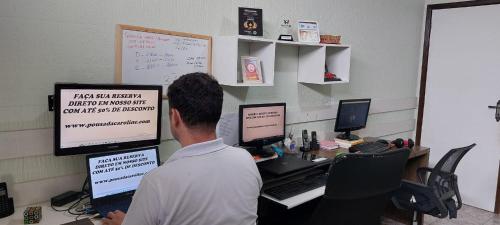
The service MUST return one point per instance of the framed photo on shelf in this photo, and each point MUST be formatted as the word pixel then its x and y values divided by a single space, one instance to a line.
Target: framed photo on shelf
pixel 251 70
pixel 308 31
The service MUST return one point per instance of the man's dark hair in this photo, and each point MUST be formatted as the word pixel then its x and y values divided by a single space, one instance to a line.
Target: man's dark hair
pixel 198 98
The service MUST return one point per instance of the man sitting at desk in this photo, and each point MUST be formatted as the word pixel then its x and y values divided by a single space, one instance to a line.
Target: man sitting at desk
pixel 206 181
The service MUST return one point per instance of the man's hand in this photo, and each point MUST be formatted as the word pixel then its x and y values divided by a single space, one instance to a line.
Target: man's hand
pixel 114 218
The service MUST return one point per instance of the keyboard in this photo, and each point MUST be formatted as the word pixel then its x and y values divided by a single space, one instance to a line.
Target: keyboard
pixel 105 208
pixel 369 147
pixel 297 187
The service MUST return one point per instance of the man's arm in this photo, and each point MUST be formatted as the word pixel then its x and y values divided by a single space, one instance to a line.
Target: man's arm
pixel 114 218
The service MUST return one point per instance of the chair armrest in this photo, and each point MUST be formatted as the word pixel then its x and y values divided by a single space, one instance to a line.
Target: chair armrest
pixel 422 172
pixel 418 197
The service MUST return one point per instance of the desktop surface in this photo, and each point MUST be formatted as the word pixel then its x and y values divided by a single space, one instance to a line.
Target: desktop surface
pixel 269 206
pixel 49 216
pixel 419 157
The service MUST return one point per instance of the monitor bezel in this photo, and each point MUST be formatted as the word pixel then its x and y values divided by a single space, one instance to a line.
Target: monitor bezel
pixel 58 151
pixel 262 141
pixel 91 156
pixel 337 129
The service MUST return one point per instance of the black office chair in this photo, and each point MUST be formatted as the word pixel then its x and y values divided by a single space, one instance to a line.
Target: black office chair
pixel 359 187
pixel 436 195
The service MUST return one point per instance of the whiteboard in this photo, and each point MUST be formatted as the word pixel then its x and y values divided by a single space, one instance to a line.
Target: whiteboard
pixel 152 56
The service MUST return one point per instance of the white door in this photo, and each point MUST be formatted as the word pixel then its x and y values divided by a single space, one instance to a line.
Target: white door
pixel 463 79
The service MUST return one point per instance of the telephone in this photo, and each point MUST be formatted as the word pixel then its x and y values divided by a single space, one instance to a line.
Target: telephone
pixel 6 203
pixel 305 140
pixel 314 145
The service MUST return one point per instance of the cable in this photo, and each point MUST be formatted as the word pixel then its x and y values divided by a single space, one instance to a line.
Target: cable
pixel 85 184
pixel 72 206
pixel 78 212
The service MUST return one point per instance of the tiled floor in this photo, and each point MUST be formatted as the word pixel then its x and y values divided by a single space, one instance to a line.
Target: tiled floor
pixel 467 215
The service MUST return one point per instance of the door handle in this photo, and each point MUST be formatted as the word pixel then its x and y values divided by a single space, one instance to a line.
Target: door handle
pixel 497 108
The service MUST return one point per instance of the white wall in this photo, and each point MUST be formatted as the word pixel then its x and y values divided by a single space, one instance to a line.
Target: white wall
pixel 47 41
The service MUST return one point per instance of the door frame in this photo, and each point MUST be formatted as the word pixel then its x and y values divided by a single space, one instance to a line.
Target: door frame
pixel 425 63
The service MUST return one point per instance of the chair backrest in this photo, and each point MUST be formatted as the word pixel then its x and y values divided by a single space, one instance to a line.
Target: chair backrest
pixel 448 163
pixel 358 188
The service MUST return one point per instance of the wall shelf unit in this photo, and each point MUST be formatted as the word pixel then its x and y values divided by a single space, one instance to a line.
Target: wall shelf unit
pixel 227 52
pixel 312 59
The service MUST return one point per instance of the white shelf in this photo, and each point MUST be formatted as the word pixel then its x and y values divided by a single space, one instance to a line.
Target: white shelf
pixel 338 60
pixel 312 61
pixel 310 44
pixel 227 52
pixel 254 39
pixel 226 59
pixel 250 85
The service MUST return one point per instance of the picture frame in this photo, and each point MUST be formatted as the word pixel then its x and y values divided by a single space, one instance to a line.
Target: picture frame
pixel 308 31
pixel 250 21
pixel 251 70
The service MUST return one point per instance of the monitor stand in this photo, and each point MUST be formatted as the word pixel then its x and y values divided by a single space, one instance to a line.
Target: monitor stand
pixel 263 152
pixel 348 136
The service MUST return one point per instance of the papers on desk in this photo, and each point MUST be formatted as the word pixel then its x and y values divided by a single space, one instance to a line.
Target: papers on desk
pixel 227 128
pixel 328 145
pixel 346 143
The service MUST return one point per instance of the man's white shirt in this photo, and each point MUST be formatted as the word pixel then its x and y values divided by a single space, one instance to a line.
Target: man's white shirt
pixel 205 183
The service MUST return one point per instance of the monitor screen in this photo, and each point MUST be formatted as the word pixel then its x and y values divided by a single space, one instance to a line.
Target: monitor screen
pixel 352 114
pixel 119 172
pixel 98 118
pixel 262 122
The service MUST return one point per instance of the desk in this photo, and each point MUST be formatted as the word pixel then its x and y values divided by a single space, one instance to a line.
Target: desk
pixel 419 157
pixel 49 217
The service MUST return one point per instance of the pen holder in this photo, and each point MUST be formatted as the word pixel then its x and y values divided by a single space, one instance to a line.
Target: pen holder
pixel 32 215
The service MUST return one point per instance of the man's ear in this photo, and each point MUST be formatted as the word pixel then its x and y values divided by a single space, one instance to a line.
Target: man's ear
pixel 175 117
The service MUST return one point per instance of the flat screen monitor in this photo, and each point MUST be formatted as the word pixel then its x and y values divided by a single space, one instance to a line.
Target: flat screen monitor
pixel 261 124
pixel 90 118
pixel 119 173
pixel 352 115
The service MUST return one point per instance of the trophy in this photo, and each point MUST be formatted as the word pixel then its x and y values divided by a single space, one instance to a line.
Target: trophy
pixel 286 31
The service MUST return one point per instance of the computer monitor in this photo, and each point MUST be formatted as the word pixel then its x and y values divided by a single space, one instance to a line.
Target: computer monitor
pixel 261 124
pixel 351 115
pixel 119 173
pixel 90 118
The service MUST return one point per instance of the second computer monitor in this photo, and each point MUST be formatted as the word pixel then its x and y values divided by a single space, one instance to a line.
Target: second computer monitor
pixel 261 124
pixel 352 115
